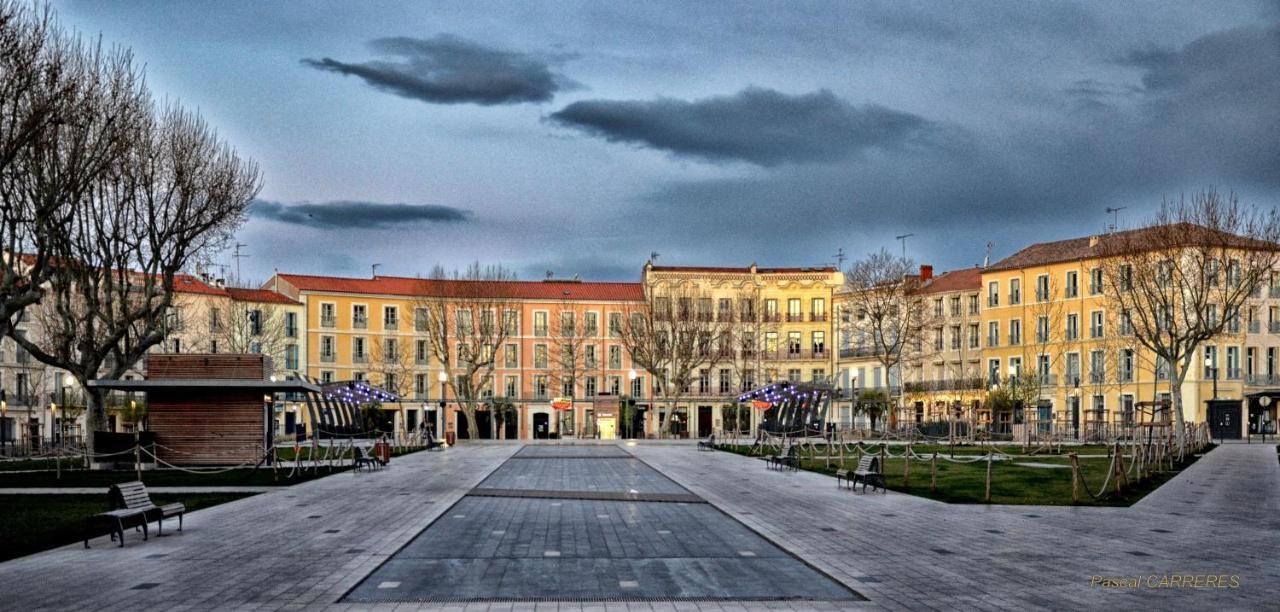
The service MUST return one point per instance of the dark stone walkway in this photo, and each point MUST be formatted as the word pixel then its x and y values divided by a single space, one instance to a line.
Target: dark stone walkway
pixel 492 547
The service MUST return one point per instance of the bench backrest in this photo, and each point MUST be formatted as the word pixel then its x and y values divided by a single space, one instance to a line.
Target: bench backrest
pixel 869 463
pixel 131 495
pixel 791 451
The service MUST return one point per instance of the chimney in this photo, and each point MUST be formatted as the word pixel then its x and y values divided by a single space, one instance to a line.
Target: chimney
pixel 1093 241
pixel 220 283
pixel 926 273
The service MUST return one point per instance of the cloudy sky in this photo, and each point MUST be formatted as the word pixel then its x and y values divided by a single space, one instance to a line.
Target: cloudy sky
pixel 578 138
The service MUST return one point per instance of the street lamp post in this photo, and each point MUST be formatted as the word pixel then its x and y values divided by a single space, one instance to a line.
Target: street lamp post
pixel 1208 364
pixel 443 378
pixel 632 375
pixel 4 420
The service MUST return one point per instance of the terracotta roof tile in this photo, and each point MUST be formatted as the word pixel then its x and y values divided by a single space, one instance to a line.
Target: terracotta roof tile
pixel 965 279
pixel 740 270
pixel 260 295
pixel 186 283
pixel 422 287
pixel 1089 247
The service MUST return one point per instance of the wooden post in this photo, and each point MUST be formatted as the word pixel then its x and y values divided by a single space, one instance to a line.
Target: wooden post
pixel 933 473
pixel 1115 462
pixel 884 449
pixel 906 466
pixel 986 497
pixel 1075 478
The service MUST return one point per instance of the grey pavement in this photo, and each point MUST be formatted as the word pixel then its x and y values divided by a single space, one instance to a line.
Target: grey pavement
pixel 308 545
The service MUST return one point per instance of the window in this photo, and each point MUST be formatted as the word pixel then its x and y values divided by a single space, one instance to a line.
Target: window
pixel 615 357
pixel 1125 281
pixel 993 294
pixel 1072 370
pixel 793 343
pixel 819 340
pixel 818 375
pixel 973 335
pixel 1042 329
pixel 391 351
pixel 771 309
pixel 937 307
pixel 326 348
pixel 589 357
pixel 421 319
pixel 359 316
pixel 993 333
pixel 213 347
pixel 1015 366
pixel 464 326
pixel 488 323
pixel 510 356
pixel 511 386
pixel 540 386
pixel 390 317
pixel 1015 291
pixel 1042 288
pixel 591 324
pixel 1015 332
pixel 567 324
pixel 1073 284
pixel 590 386
pixel 793 309
pixel 540 356
pixel 1126 365
pixel 420 352
pixel 540 324
pixel 637 387
pixel 793 374
pixel 770 342
pixel 1073 326
pixel 389 381
pixel 1233 362
pixel 328 315
pixel 726 381
pixel 176 345
pixel 973 304
pixel 255 322
pixel 993 371
pixel 955 337
pixel 420 386
pixel 1097 367
pixel 615 385
pixel 937 339
pixel 464 353
pixel 615 325
pixel 215 320
pixel 326 376
pixel 955 305
pixel 1095 281
pixel 358 350
pixel 1095 324
pixel 818 309
pixel 1043 369
pixel 359 376
pixel 511 322
pixel 291 324
pixel 1210 361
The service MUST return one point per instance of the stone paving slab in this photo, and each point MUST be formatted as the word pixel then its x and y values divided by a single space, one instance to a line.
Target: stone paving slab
pixel 621 475
pixel 572 450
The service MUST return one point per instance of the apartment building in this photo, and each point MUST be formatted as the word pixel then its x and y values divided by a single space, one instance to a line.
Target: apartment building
pixel 1077 359
pixel 377 329
pixel 945 380
pixel 781 328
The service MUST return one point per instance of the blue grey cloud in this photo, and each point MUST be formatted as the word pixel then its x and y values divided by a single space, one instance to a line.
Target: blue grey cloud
pixel 356 215
pixel 447 69
pixel 757 125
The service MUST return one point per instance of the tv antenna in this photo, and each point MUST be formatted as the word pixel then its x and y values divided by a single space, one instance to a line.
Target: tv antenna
pixel 1115 216
pixel 375 269
pixel 237 254
pixel 653 256
pixel 903 239
pixel 840 257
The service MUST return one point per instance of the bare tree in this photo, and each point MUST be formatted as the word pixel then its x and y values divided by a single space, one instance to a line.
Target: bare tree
pixel 1182 277
pixel 177 190
pixel 885 294
pixel 570 342
pixel 672 335
pixel 66 112
pixel 466 334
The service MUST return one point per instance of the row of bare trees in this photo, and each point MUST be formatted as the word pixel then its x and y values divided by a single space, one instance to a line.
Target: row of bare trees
pixel 106 195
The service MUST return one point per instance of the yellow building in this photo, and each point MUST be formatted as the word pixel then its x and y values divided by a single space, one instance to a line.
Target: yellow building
pixel 781 325
pixel 1049 331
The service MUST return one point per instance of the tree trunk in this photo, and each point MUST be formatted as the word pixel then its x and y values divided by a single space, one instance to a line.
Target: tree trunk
pixel 94 416
pixel 473 430
pixel 1175 404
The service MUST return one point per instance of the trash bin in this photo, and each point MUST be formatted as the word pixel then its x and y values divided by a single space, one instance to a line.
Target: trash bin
pixel 382 451
pixel 450 438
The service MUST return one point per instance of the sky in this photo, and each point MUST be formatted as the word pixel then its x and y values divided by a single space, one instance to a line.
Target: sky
pixel 579 138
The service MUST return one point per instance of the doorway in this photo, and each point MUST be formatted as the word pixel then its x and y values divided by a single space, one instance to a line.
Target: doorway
pixel 1224 419
pixel 541 426
pixel 705 421
pixel 608 427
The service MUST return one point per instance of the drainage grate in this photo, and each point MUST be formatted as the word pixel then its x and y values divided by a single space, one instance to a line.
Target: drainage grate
pixel 942 551
pixel 332 530
pixel 1161 531
pixel 1032 515
pixel 993 531
pixel 314 516
pixel 867 579
pixel 156 556
pixel 354 551
pixel 145 586
pixel 1138 553
pixel 828 528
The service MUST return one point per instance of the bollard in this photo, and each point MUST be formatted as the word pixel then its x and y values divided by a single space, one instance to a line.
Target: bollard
pixel 1075 478
pixel 906 467
pixel 933 473
pixel 987 495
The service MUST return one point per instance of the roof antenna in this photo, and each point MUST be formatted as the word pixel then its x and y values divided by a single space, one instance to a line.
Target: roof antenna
pixel 986 259
pixel 840 257
pixel 1115 216
pixel 550 274
pixel 903 238
pixel 375 269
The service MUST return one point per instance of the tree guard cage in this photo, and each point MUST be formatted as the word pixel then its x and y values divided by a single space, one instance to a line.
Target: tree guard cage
pixel 793 409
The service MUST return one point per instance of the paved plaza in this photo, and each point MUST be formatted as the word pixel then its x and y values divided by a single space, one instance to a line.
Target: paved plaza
pixel 314 544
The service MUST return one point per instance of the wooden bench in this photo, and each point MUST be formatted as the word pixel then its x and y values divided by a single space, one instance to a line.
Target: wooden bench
pixel 846 477
pixel 789 460
pixel 364 459
pixel 709 444
pixel 868 471
pixel 130 502
pixel 432 443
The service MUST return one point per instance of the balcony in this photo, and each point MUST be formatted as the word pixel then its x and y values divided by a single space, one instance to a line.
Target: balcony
pixel 993 301
pixel 1255 327
pixel 1015 339
pixel 359 359
pixel 1097 378
pixel 1048 380
pixel 327 358
pixel 862 351
pixel 1262 380
pixel 818 317
pixel 795 355
pixel 957 384
pixel 795 317
pixel 391 325
pixel 328 321
pixel 1234 374
pixel 992 341
pixel 1015 298
pixel 1042 296
pixel 771 318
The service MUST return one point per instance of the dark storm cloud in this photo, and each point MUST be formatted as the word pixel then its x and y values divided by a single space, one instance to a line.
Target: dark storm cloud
pixel 355 215
pixel 447 69
pixel 757 125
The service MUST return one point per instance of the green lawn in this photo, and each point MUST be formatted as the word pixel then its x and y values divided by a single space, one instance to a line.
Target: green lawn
pixel 15 465
pixel 965 483
pixel 161 478
pixel 32 523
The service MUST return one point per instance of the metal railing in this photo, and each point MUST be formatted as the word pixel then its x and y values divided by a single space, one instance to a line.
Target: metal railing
pixel 818 317
pixel 1255 326
pixel 360 322
pixel 328 321
pixel 390 325
pixel 330 358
